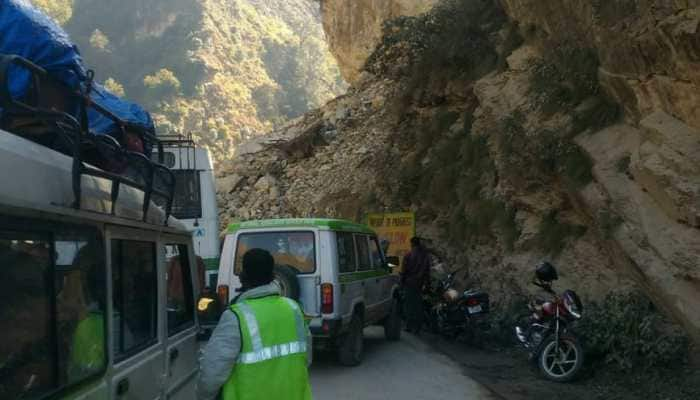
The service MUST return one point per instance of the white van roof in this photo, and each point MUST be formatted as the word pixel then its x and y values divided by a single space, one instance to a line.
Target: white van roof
pixel 36 177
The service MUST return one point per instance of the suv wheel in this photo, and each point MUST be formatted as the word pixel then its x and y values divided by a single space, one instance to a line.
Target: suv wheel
pixel 351 349
pixel 286 278
pixel 392 324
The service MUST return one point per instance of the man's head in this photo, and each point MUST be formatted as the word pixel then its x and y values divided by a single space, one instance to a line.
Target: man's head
pixel 257 268
pixel 415 242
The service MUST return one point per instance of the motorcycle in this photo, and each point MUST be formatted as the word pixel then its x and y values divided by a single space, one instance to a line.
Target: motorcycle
pixel 452 313
pixel 549 338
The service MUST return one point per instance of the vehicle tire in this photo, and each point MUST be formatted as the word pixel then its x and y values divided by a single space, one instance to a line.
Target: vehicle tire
pixel 561 366
pixel 392 324
pixel 286 278
pixel 351 348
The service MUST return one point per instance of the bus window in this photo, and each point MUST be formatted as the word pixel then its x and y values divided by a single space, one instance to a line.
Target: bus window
pixel 53 327
pixel 188 199
pixel 179 289
pixel 135 283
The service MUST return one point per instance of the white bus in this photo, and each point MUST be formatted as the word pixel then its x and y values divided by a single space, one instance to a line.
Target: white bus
pixel 195 197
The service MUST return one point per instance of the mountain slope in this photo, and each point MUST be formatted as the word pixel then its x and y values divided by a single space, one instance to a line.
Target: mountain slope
pixel 224 70
pixel 517 132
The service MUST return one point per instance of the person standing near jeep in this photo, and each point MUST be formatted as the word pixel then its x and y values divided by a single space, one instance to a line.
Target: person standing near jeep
pixel 260 348
pixel 414 275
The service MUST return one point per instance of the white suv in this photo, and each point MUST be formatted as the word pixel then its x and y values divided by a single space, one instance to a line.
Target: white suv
pixel 336 269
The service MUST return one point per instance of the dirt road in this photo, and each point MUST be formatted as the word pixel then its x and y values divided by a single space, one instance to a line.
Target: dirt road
pixel 405 370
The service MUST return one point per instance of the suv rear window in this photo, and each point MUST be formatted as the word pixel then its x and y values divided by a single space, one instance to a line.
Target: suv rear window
pixel 294 249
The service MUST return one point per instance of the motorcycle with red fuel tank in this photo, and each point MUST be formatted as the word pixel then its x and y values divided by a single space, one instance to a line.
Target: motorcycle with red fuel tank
pixel 548 335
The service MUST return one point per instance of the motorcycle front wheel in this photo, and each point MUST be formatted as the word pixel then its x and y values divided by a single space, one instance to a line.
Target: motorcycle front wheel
pixel 560 362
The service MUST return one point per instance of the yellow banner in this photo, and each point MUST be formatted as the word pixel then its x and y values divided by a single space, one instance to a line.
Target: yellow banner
pixel 397 228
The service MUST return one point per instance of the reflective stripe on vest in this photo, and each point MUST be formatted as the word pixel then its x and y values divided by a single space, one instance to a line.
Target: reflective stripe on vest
pixel 260 353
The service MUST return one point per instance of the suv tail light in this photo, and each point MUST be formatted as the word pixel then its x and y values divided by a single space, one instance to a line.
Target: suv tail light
pixel 222 293
pixel 327 298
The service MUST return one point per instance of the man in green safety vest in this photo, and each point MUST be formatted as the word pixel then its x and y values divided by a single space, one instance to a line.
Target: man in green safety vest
pixel 260 350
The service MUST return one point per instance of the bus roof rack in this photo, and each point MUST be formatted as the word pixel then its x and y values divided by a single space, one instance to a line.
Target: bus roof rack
pixel 176 140
pixel 100 156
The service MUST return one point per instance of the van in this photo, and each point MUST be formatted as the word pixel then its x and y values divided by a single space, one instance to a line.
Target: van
pixel 98 291
pixel 336 269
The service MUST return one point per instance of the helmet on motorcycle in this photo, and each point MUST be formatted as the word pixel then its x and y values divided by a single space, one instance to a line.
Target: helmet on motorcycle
pixel 450 295
pixel 546 272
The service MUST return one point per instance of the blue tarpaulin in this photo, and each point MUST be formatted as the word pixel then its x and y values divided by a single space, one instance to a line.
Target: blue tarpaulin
pixel 27 32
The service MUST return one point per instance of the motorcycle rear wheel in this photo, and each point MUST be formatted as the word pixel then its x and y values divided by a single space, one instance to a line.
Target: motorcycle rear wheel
pixel 560 363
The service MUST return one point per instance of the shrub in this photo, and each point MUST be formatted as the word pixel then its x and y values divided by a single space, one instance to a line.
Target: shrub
pixel 60 10
pixel 566 76
pixel 608 221
pixel 512 137
pixel 627 331
pixel 504 317
pixel 604 112
pixel 623 164
pixel 576 166
pixel 162 84
pixel 553 233
pixel 444 119
pixel 115 87
pixel 99 40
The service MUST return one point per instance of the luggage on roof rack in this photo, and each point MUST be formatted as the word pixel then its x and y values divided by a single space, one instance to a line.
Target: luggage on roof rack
pixel 48 96
pixel 109 156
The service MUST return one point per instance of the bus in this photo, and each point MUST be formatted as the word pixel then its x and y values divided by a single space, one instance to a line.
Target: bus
pixel 195 197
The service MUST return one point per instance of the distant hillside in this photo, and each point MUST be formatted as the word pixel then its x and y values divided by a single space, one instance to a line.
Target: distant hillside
pixel 224 70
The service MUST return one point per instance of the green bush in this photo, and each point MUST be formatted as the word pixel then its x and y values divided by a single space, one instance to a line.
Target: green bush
pixel 554 153
pixel 115 87
pixel 604 112
pixel 504 317
pixel 454 38
pixel 553 233
pixel 576 166
pixel 623 164
pixel 162 84
pixel 569 74
pixel 608 221
pixel 511 141
pixel 626 330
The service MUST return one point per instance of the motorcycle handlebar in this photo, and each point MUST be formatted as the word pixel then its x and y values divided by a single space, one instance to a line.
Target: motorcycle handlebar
pixel 546 287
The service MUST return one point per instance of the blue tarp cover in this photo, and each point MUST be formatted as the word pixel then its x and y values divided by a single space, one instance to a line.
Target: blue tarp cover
pixel 29 33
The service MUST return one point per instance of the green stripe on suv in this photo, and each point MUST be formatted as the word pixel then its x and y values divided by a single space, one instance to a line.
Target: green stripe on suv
pixel 360 276
pixel 321 223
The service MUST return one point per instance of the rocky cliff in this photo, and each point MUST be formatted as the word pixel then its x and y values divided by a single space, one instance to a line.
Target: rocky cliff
pixel 517 130
pixel 354 28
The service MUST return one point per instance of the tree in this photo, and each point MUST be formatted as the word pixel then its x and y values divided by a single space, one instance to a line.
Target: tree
pixel 99 41
pixel 115 87
pixel 162 85
pixel 60 10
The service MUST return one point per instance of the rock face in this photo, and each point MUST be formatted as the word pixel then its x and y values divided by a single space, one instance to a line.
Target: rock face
pixel 516 130
pixel 354 28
